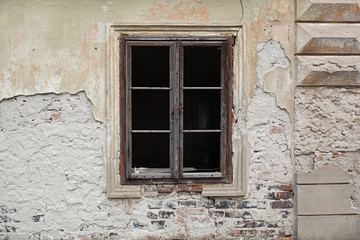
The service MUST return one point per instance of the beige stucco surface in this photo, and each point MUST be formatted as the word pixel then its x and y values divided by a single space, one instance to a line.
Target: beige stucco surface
pixel 59 46
pixel 62 55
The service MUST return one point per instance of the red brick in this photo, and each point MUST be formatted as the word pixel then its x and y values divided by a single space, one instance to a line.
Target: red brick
pixel 186 212
pixel 189 189
pixel 216 213
pixel 277 130
pixel 161 195
pixel 183 188
pixel 179 236
pixel 200 219
pixel 188 204
pixel 267 233
pixel 286 187
pixel 159 224
pixel 233 214
pixel 250 223
pixel 55 116
pixel 151 237
pixel 235 233
pixel 196 188
pixel 280 195
pixel 155 205
pixel 225 204
pixel 281 204
pixel 248 232
pixel 166 214
pixel 165 189
pixel 152 215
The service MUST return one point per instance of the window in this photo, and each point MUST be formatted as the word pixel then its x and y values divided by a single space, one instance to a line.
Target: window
pixel 175 109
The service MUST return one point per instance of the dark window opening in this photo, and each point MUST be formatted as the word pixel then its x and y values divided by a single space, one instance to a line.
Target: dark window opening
pixel 150 110
pixel 150 66
pixel 202 66
pixel 150 150
pixel 202 109
pixel 175 110
pixel 202 152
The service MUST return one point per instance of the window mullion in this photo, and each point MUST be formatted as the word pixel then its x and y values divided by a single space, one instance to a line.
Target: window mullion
pixel 174 84
pixel 180 106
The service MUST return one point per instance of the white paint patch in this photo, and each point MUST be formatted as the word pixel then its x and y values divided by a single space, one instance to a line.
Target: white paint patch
pixel 105 6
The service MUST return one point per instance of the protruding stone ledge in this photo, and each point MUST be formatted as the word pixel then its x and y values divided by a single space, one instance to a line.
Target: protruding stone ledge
pixel 326 175
pixel 328 38
pixel 329 227
pixel 328 70
pixel 325 199
pixel 328 10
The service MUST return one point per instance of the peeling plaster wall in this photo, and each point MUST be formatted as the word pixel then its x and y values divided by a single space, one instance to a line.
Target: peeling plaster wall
pixel 52 182
pixel 59 46
pixel 52 124
pixel 327 119
pixel 327 131
pixel 269 126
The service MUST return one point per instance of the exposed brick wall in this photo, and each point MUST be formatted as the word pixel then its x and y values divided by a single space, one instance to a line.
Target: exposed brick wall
pixel 53 186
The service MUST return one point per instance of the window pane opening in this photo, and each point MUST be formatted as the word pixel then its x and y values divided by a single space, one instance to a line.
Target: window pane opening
pixel 150 109
pixel 150 66
pixel 150 152
pixel 202 109
pixel 202 66
pixel 201 152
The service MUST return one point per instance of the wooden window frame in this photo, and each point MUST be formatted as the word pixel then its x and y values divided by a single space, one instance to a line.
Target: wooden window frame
pixel 240 144
pixel 176 174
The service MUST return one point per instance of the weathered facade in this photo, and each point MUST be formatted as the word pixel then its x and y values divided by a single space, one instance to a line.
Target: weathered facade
pixel 296 122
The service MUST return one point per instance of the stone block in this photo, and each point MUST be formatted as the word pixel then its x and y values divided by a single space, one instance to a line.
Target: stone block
pixel 330 174
pixel 329 227
pixel 328 70
pixel 324 199
pixel 328 10
pixel 328 38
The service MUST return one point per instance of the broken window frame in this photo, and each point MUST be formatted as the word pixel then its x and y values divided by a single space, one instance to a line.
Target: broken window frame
pixel 176 174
